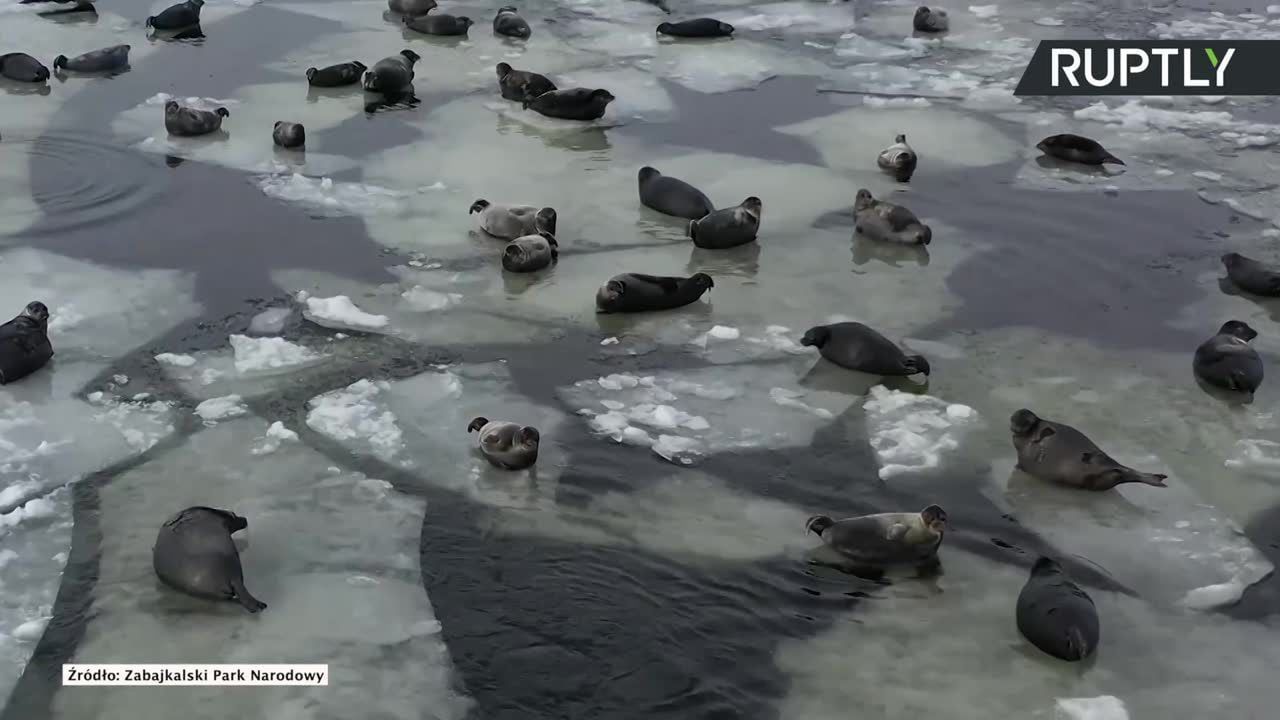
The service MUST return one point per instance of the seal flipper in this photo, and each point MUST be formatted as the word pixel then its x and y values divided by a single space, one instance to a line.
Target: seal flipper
pixel 241 595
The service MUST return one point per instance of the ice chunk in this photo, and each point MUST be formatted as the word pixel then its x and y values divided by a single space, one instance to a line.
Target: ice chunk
pixel 176 360
pixel 221 408
pixel 1105 707
pixel 340 312
pixel 858 47
pixel 677 448
pixel 1049 22
pixel 984 11
pixel 268 353
pixel 791 398
pixel 803 17
pixel 1261 456
pixel 353 413
pixel 1207 175
pixel 31 630
pixel 911 433
pixel 329 197
pixel 425 300
pixel 276 434
pixel 269 322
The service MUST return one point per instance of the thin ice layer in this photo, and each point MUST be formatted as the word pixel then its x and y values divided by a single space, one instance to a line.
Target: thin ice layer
pixel 332 554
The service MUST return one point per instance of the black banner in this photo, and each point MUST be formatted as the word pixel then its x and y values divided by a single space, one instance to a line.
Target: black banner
pixel 1153 67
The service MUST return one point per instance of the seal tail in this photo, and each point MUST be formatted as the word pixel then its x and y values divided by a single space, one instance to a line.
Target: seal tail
pixel 1155 479
pixel 246 600
pixel 59 62
pixel 477 424
pixel 223 112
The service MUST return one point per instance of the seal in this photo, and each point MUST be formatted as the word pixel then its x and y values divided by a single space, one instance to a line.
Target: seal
pixel 505 444
pixel 411 7
pixel 633 292
pixel 194 554
pixel 899 159
pixel 1055 615
pixel 24 343
pixel 108 59
pixel 521 84
pixel 888 222
pixel 512 221
pixel 885 539
pixel 439 24
pixel 1252 276
pixel 339 75
pixel 177 17
pixel 572 104
pixel 1060 454
pixel 1228 362
pixel 77 6
pixel 530 253
pixel 855 346
pixel 930 21
pixel 508 22
pixel 672 196
pixel 189 122
pixel 392 74
pixel 728 227
pixel 289 135
pixel 21 67
pixel 1076 149
pixel 697 28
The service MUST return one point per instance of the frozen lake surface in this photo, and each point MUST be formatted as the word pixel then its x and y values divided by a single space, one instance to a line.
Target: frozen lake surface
pixel 303 338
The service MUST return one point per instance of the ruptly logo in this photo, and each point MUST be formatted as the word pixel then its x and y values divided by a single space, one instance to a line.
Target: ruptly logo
pixel 1152 67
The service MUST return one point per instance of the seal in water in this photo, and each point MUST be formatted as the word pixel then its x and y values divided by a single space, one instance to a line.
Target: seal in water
pixel 512 221
pixel 21 67
pixel 888 222
pixel 530 253
pixel 522 84
pixel 1077 149
pixel 697 28
pixel 1252 276
pixel 1227 361
pixel 508 22
pixel 439 24
pixel 189 122
pixel 728 227
pixel 930 21
pixel 24 343
pixel 572 104
pixel 884 539
pixel 633 292
pixel 289 135
pixel 391 74
pixel 672 196
pixel 899 160
pixel 338 75
pixel 411 7
pixel 194 554
pixel 104 60
pixel 1055 615
pixel 1061 454
pixel 855 346
pixel 177 17
pixel 506 445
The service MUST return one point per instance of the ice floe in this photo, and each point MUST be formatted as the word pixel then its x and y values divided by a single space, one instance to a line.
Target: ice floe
pixel 221 408
pixel 268 353
pixel 912 433
pixel 353 414
pixel 340 312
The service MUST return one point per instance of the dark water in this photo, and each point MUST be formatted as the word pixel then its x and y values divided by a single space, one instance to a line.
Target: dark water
pixel 545 628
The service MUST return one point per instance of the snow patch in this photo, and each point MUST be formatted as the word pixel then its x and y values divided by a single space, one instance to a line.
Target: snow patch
pixel 911 433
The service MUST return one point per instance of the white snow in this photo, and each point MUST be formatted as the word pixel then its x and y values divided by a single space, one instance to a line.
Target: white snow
pixel 176 360
pixel 339 311
pixel 911 433
pixel 268 353
pixel 221 408
pixel 1105 707
pixel 354 413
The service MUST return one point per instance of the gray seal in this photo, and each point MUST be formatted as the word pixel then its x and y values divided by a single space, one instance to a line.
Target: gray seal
pixel 105 60
pixel 522 85
pixel 289 135
pixel 728 227
pixel 1228 362
pixel 530 253
pixel 633 292
pixel 508 22
pixel 888 222
pixel 506 445
pixel 672 196
pixel 177 17
pixel 1252 276
pixel 194 554
pixel 930 21
pixel 696 28
pixel 855 346
pixel 572 104
pixel 899 159
pixel 1077 149
pixel 339 75
pixel 1055 615
pixel 24 343
pixel 1059 453
pixel 189 122
pixel 440 24
pixel 411 7
pixel 392 74
pixel 512 221
pixel 885 539
pixel 21 67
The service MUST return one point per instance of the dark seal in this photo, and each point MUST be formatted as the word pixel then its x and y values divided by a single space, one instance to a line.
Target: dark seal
pixel 855 346
pixel 1055 615
pixel 194 554
pixel 633 292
